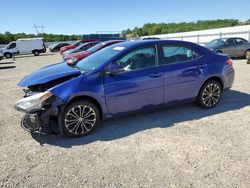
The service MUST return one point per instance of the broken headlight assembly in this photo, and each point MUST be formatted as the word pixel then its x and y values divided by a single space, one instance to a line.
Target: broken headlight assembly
pixel 33 103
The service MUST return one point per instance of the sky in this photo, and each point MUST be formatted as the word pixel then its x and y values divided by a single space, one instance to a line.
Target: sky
pixel 91 16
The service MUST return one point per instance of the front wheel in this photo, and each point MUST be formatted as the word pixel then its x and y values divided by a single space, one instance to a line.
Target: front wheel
pixel 80 118
pixel 8 55
pixel 210 94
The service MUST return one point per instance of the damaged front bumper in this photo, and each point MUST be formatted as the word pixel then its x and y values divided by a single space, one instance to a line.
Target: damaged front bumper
pixel 44 119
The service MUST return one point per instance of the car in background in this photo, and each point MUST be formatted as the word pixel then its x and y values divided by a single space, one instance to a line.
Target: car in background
pixel 234 47
pixel 74 45
pixel 75 57
pixel 79 48
pixel 122 78
pixel 24 46
pixel 1 56
pixel 56 47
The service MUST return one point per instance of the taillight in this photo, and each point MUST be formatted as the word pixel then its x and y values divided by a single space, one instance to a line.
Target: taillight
pixel 230 62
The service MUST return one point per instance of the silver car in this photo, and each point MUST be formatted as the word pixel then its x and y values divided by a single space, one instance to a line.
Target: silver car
pixel 234 47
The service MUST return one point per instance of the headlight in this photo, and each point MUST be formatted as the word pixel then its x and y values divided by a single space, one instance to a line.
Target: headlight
pixel 33 103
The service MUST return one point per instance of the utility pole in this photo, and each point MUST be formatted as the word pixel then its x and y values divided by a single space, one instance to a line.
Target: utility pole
pixel 39 29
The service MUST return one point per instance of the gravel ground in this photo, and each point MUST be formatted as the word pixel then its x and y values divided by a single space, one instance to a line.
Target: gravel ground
pixel 182 146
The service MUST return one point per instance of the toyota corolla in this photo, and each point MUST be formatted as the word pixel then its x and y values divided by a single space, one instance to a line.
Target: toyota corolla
pixel 122 78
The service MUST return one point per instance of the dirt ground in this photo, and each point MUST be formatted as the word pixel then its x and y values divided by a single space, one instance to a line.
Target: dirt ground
pixel 182 146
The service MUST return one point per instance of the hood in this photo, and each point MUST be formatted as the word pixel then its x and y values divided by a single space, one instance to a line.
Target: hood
pixel 79 54
pixel 49 73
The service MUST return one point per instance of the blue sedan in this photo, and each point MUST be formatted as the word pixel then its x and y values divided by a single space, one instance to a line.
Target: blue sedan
pixel 125 77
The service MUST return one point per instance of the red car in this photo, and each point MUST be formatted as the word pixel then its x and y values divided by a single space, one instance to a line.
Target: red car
pixel 74 58
pixel 74 45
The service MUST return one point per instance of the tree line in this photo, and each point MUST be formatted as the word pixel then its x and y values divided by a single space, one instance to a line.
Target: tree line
pixel 165 28
pixel 8 37
pixel 146 29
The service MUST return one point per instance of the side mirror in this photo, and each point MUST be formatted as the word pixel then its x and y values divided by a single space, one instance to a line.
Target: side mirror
pixel 114 68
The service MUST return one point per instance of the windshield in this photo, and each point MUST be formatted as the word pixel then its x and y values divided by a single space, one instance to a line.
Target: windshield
pixel 96 47
pixel 216 42
pixel 93 61
pixel 77 43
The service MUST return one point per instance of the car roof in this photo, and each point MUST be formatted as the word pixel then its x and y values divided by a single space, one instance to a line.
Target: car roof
pixel 112 41
pixel 230 38
pixel 138 43
pixel 154 41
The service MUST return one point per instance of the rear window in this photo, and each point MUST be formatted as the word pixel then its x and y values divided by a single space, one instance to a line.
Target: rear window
pixel 178 53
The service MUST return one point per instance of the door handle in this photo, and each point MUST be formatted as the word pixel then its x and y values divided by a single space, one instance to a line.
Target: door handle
pixel 202 66
pixel 155 75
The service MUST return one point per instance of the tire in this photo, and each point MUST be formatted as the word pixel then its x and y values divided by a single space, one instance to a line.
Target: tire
pixel 36 53
pixel 8 55
pixel 245 54
pixel 210 94
pixel 80 118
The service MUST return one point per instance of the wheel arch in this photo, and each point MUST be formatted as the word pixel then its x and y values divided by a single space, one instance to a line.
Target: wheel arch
pixel 215 78
pixel 219 51
pixel 89 98
pixel 5 54
pixel 245 53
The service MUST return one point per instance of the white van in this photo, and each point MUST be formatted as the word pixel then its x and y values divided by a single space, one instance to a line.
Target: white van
pixel 24 46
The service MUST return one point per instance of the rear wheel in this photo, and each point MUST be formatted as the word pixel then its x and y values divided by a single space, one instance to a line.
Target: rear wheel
pixel 80 118
pixel 210 94
pixel 246 54
pixel 36 53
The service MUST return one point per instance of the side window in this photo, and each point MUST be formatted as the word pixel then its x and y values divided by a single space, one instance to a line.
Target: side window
pixel 138 59
pixel 175 53
pixel 12 45
pixel 240 41
pixel 230 42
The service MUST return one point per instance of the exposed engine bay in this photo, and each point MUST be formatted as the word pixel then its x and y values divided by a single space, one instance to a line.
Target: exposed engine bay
pixel 32 90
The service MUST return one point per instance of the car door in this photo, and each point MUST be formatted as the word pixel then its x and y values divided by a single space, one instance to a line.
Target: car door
pixel 12 48
pixel 182 69
pixel 240 47
pixel 139 86
pixel 229 47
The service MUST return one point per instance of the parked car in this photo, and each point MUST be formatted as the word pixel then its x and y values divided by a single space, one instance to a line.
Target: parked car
pixel 122 78
pixel 75 57
pixel 56 47
pixel 82 47
pixel 24 46
pixel 1 55
pixel 74 45
pixel 234 47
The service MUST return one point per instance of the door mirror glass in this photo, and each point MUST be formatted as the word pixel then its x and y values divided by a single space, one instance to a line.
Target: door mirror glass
pixel 114 68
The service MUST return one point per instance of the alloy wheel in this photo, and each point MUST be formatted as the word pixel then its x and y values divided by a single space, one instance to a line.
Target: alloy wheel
pixel 211 95
pixel 80 119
